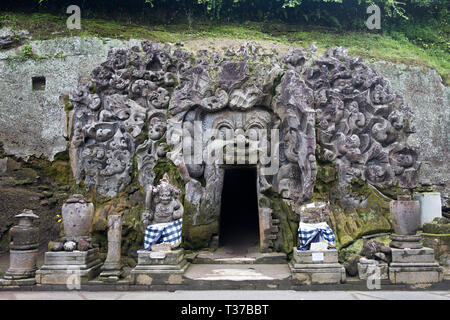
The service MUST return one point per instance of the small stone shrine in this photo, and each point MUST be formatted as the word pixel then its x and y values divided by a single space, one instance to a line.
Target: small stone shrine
pixel 161 262
pixel 23 251
pixel 73 260
pixel 316 260
pixel 411 262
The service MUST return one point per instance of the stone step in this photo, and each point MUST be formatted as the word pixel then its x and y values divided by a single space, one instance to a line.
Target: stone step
pixel 233 272
pixel 221 256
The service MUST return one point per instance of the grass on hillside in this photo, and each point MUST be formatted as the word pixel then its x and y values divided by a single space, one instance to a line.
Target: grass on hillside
pixel 370 46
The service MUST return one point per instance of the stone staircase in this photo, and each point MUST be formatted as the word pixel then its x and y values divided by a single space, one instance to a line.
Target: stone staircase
pixel 225 255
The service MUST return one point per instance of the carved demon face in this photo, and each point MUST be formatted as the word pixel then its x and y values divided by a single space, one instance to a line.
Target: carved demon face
pixel 242 131
pixel 165 194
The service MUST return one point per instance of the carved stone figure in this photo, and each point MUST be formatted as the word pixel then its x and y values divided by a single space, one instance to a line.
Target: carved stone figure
pixel 162 204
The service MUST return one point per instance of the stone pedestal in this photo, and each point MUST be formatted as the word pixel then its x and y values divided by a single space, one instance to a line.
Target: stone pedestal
pixel 413 266
pixel 159 267
pixel 22 268
pixel 22 264
pixel 316 267
pixel 70 268
pixel 112 268
pixel 370 267
pixel 401 241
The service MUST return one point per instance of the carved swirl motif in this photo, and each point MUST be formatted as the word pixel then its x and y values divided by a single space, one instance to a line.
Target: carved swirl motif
pixel 363 125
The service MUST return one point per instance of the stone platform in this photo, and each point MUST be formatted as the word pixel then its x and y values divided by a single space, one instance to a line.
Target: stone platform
pixel 414 266
pixel 159 267
pixel 69 267
pixel 226 255
pixel 316 267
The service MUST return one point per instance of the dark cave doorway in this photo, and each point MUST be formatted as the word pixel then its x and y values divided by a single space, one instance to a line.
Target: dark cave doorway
pixel 239 217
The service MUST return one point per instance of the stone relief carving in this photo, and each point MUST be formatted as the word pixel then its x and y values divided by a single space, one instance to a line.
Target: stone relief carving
pixel 132 86
pixel 362 124
pixel 297 174
pixel 156 95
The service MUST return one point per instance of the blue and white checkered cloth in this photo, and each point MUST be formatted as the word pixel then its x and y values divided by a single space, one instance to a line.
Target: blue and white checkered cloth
pixel 315 232
pixel 164 232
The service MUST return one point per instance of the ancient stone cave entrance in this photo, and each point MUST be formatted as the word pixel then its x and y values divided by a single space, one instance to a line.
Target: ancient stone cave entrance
pixel 239 219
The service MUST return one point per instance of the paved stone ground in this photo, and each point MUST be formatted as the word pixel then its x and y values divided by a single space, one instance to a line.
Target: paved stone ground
pixel 229 295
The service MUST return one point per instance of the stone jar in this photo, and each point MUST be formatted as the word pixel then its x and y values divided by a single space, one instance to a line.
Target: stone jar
pixel 77 215
pixel 405 214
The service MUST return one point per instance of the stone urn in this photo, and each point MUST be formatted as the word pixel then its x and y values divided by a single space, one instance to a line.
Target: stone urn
pixel 77 215
pixel 405 214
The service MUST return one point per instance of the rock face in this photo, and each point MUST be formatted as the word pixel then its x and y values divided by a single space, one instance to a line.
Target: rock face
pixel 427 97
pixel 243 86
pixel 203 112
pixel 10 38
pixel 33 122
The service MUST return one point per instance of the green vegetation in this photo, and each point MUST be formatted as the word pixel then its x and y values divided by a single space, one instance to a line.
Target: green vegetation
pixel 393 47
pixel 27 53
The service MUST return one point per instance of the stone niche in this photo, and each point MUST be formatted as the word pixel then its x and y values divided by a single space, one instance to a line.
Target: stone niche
pixel 196 112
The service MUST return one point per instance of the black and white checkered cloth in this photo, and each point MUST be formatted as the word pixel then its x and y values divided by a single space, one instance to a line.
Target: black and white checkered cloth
pixel 315 232
pixel 167 232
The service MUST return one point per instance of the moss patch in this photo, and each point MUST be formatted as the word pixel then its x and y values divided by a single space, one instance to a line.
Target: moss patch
pixel 351 223
pixel 281 210
pixel 198 236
